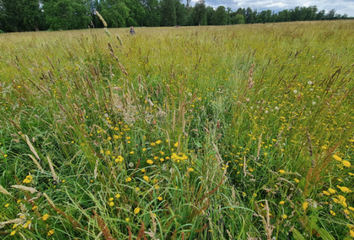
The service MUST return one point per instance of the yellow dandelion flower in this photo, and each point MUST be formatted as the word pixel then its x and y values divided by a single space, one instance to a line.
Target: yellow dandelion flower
pixel 27 224
pixel 111 204
pixel 305 205
pixel 190 169
pixel 176 144
pixel 146 178
pixel 117 195
pixel 158 141
pixel 344 189
pixel 285 216
pixel 13 233
pixel 333 213
pixel 351 232
pixel 7 205
pixel 281 202
pixel 159 198
pixel 45 217
pixel 281 171
pixel 136 210
pixel 128 179
pixel 351 209
pixel 336 157
pixel 150 162
pixel 331 190
pixel 144 149
pixel 51 232
pixel 127 219
pixel 34 207
pixel 296 180
pixel 346 163
pixel 326 193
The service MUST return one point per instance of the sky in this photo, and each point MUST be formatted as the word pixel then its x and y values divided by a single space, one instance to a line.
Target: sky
pixel 341 6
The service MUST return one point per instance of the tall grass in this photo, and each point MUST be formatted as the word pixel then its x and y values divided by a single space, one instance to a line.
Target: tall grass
pixel 237 132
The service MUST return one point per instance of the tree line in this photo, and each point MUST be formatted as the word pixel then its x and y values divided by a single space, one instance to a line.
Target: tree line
pixel 35 15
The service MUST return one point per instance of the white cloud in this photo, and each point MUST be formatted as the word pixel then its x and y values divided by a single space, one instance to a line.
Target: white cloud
pixel 341 6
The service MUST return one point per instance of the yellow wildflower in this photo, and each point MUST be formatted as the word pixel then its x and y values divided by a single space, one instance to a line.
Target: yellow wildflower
pixel 45 217
pixel 331 190
pixel 13 233
pixel 27 224
pixel 285 216
pixel 336 157
pixel 146 178
pixel 150 162
pixel 119 159
pixel 326 193
pixel 136 210
pixel 282 171
pixel 6 205
pixel 176 144
pixel 111 204
pixel 346 163
pixel 128 179
pixel 344 189
pixel 305 205
pixel 333 213
pixel 159 198
pixel 51 232
pixel 117 195
pixel 281 202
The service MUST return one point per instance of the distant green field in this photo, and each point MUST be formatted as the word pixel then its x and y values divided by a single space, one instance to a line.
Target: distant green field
pixel 233 132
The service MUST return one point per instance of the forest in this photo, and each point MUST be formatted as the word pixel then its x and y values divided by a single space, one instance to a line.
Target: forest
pixel 39 15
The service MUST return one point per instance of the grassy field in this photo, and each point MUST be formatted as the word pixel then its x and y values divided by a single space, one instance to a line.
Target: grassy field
pixel 235 132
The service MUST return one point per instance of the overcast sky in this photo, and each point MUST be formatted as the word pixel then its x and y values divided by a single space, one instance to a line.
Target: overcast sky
pixel 341 6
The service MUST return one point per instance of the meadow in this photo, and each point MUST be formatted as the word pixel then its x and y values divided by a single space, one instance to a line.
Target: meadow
pixel 233 132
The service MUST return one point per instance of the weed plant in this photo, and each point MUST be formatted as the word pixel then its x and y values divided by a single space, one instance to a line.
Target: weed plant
pixel 234 132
